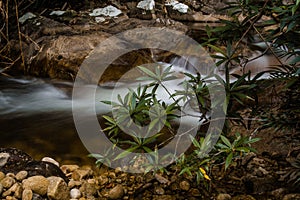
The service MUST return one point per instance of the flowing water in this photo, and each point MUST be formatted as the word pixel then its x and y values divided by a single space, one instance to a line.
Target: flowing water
pixel 36 114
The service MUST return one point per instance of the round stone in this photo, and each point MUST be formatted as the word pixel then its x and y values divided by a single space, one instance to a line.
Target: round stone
pixel 20 176
pixel 38 184
pixel 75 193
pixel 7 182
pixel 116 193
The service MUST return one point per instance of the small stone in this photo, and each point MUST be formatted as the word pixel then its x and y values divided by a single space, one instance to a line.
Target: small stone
pixel 2 175
pixel 88 189
pixel 69 168
pixel 50 160
pixel 27 194
pixel 75 193
pixel 12 175
pixel 162 179
pixel 38 184
pixel 7 182
pixel 103 180
pixel 243 197
pixel 223 197
pixel 195 192
pixel 57 189
pixel 118 170
pixel 292 197
pixel 116 193
pixel 159 190
pixel 73 183
pixel 279 193
pixel 21 175
pixel 80 174
pixel 7 193
pixel 11 198
pixel 184 185
pixel 17 190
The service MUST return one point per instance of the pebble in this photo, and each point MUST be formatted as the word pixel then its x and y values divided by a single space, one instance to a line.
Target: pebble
pixel 2 175
pixel 69 168
pixel 50 160
pixel 38 184
pixel 292 197
pixel 223 196
pixel 21 175
pixel 116 193
pixel 184 185
pixel 80 174
pixel 1 188
pixel 57 189
pixel 159 190
pixel 73 183
pixel 75 193
pixel 27 194
pixel 7 182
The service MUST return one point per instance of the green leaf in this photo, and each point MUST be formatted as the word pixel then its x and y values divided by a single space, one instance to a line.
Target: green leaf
pixel 228 160
pixel 126 152
pixel 226 141
pixel 148 72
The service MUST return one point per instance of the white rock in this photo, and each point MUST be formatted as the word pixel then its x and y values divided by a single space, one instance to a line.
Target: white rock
pixel 50 160
pixel 26 16
pixel 99 19
pixel 180 7
pixel 109 11
pixel 146 4
pixel 75 193
pixel 57 12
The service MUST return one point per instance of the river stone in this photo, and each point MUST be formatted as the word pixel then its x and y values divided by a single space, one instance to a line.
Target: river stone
pixel 13 160
pixel 27 194
pixel 21 175
pixel 116 193
pixel 38 184
pixel 7 182
pixel 75 193
pixel 57 189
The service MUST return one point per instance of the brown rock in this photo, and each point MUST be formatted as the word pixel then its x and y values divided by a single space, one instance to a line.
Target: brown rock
pixel 292 197
pixel 38 184
pixel 184 185
pixel 80 174
pixel 57 189
pixel 27 194
pixel 21 175
pixel 69 168
pixel 116 193
pixel 7 182
pixel 17 190
pixel 243 197
pixel 2 175
pixel 223 197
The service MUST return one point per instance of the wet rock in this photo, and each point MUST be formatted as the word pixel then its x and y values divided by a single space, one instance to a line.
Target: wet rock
pixel 292 197
pixel 75 193
pixel 27 194
pixel 38 184
pixel 57 189
pixel 223 197
pixel 184 185
pixel 45 169
pixel 7 182
pixel 13 160
pixel 116 193
pixel 21 175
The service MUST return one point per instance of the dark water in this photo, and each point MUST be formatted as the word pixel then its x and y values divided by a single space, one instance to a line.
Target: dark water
pixel 35 116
